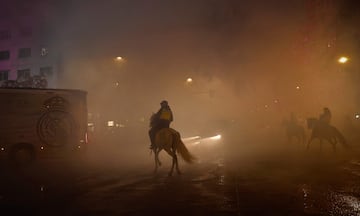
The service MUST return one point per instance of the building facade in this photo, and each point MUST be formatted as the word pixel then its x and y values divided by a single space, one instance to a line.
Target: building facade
pixel 25 44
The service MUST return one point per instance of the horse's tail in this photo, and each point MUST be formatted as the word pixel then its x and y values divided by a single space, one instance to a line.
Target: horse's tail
pixel 341 138
pixel 183 151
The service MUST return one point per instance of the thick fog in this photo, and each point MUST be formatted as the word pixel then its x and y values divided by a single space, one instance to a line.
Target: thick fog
pixel 245 60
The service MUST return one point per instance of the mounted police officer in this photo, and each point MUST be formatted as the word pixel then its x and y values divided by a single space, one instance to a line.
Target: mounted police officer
pixel 325 117
pixel 160 120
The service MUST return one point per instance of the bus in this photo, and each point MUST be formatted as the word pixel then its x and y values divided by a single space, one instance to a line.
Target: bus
pixel 42 123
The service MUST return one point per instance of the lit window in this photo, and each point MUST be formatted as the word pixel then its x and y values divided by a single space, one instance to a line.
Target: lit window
pixel 4 75
pixel 24 52
pixel 4 55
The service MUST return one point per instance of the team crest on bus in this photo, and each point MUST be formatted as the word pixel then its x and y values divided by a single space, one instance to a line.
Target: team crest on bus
pixel 56 125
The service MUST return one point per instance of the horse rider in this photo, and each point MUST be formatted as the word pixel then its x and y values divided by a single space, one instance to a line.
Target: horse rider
pixel 161 119
pixel 325 117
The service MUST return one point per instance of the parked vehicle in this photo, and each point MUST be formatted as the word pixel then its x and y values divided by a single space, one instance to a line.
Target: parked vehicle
pixel 40 123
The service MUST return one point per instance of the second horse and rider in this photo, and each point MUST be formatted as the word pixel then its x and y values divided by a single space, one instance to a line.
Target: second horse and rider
pixel 320 129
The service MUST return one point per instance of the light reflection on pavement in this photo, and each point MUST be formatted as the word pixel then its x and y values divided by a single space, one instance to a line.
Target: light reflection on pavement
pixel 271 186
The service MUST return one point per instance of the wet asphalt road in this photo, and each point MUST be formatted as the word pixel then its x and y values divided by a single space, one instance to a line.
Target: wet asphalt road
pixel 281 183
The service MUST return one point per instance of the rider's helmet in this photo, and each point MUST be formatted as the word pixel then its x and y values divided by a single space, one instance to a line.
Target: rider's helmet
pixel 164 103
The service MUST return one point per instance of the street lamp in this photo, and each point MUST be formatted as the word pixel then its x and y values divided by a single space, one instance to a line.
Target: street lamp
pixel 119 58
pixel 343 59
pixel 189 80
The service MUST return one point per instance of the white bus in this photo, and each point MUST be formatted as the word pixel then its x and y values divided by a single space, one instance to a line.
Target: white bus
pixel 38 123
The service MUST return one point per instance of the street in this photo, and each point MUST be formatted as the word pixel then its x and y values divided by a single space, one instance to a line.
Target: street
pixel 282 182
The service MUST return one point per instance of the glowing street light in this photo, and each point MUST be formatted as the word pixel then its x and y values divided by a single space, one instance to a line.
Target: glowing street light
pixel 119 58
pixel 343 60
pixel 189 80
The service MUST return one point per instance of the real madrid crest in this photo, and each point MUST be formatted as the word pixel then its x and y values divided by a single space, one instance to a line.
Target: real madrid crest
pixel 56 125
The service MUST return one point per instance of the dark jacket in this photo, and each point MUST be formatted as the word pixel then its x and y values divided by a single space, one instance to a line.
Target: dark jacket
pixel 162 118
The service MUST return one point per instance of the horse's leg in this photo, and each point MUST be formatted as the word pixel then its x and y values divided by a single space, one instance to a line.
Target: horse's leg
pixel 177 164
pixel 173 155
pixel 156 153
pixel 158 160
pixel 170 152
pixel 332 142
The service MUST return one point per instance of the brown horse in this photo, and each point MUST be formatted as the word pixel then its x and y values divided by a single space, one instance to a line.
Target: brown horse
pixel 169 140
pixel 296 130
pixel 324 131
